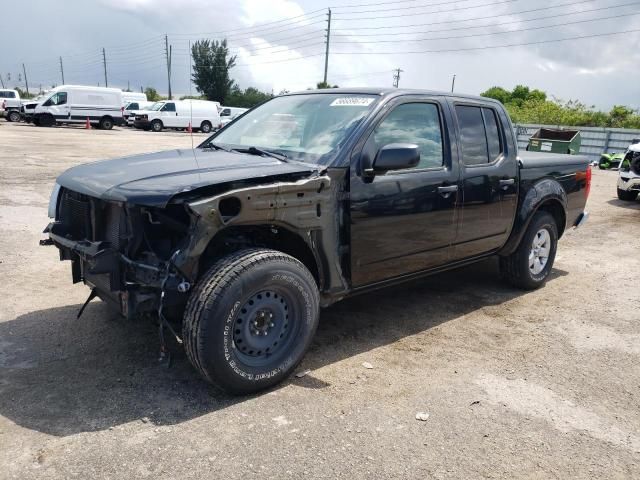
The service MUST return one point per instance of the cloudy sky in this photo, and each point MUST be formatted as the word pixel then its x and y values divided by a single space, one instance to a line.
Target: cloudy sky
pixel 280 43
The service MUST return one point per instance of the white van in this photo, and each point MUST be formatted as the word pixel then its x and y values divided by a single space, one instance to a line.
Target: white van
pixel 133 107
pixel 227 114
pixel 133 97
pixel 76 104
pixel 201 114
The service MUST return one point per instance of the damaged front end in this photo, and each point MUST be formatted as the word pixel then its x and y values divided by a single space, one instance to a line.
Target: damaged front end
pixel 143 260
pixel 123 252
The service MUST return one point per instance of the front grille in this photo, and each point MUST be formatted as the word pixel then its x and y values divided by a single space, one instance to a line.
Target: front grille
pixel 75 214
pixel 87 218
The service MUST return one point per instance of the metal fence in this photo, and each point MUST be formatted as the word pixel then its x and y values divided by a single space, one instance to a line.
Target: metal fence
pixel 595 140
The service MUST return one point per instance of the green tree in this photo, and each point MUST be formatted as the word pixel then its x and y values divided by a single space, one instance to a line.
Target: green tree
pixel 248 98
pixel 498 93
pixel 152 94
pixel 619 115
pixel 321 85
pixel 23 93
pixel 211 65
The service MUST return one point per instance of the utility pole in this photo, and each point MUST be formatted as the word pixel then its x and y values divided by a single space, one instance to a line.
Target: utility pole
pixel 396 77
pixel 104 63
pixel 62 70
pixel 26 82
pixel 453 83
pixel 1 80
pixel 326 53
pixel 128 88
pixel 167 52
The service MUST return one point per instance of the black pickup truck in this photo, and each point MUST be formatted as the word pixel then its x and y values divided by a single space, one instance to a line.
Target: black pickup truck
pixel 303 201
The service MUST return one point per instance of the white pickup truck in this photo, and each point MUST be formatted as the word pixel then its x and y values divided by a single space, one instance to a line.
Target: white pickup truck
pixel 10 105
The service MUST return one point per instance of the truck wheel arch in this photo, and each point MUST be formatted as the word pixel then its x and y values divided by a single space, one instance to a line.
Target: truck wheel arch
pixel 547 195
pixel 234 238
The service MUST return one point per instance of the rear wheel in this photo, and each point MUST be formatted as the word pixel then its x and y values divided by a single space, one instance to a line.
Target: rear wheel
pixel 106 123
pixel 251 319
pixel 627 196
pixel 13 116
pixel 529 266
pixel 205 127
pixel 156 126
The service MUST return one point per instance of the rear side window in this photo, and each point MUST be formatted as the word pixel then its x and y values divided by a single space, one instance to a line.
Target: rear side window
pixel 479 135
pixel 7 94
pixel 416 123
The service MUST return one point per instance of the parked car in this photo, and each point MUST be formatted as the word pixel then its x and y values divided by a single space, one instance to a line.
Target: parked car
pixel 200 114
pixel 75 104
pixel 303 201
pixel 227 114
pixel 10 100
pixel 131 108
pixel 629 174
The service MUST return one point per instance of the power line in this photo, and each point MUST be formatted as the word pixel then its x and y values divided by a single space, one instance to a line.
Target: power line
pixel 489 47
pixel 473 7
pixel 535 19
pixel 448 22
pixel 413 7
pixel 541 27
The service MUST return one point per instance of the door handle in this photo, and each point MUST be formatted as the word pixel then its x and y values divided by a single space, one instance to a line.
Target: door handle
pixel 505 184
pixel 448 190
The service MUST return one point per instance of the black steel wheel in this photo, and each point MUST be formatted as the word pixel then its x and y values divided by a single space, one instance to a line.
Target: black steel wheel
pixel 205 127
pixel 251 319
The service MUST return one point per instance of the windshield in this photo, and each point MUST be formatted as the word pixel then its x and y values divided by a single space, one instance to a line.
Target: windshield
pixel 308 127
pixel 156 106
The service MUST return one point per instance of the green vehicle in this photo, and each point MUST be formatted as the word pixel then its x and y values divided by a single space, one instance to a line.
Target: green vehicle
pixel 610 160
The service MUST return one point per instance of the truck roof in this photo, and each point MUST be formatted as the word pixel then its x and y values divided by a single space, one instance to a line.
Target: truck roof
pixel 392 92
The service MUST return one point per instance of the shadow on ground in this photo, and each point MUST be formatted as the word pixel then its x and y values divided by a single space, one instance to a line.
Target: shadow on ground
pixel 634 205
pixel 61 376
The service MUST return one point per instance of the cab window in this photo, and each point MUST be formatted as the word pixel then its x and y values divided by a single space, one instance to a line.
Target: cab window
pixel 132 106
pixel 415 123
pixel 169 107
pixel 59 98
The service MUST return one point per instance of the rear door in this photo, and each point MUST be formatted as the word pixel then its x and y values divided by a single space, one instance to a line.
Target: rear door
pixel 404 221
pixel 489 178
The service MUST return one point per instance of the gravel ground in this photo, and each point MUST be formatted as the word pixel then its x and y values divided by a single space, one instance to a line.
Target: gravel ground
pixel 543 384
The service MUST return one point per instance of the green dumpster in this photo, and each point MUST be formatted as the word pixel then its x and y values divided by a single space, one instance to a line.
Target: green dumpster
pixel 555 141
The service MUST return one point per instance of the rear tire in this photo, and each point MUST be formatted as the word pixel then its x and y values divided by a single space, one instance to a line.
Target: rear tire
pixel 106 123
pixel 205 127
pixel 13 116
pixel 529 266
pixel 627 196
pixel 251 319
pixel 156 126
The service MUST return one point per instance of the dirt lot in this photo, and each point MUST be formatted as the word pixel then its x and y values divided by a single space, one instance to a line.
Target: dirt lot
pixel 517 385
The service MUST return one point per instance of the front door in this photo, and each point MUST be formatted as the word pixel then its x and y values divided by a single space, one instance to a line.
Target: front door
pixel 169 115
pixel 490 180
pixel 404 221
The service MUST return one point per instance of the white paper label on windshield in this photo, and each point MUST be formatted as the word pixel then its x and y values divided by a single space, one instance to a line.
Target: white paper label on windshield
pixel 352 102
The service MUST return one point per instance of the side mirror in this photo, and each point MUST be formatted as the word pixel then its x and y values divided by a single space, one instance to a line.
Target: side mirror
pixel 396 156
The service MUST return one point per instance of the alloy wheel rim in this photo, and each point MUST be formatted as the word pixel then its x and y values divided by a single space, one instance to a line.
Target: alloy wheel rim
pixel 540 249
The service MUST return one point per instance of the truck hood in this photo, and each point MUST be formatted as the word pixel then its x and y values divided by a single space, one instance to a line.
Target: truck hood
pixel 154 179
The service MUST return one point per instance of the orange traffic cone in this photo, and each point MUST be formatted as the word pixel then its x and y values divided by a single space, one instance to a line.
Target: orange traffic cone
pixel 189 129
pixel 87 125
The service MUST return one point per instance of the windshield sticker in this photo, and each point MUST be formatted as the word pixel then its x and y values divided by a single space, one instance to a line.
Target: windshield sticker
pixel 352 102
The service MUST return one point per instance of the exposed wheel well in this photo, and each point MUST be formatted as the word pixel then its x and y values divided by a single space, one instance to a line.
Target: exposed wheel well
pixel 556 209
pixel 232 239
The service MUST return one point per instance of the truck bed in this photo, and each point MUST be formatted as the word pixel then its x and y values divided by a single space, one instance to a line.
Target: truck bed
pixel 539 159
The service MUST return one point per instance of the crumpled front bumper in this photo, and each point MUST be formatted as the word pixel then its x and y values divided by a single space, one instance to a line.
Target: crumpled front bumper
pixel 132 287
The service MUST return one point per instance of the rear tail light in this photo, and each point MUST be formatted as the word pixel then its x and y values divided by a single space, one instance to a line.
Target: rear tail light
pixel 586 178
